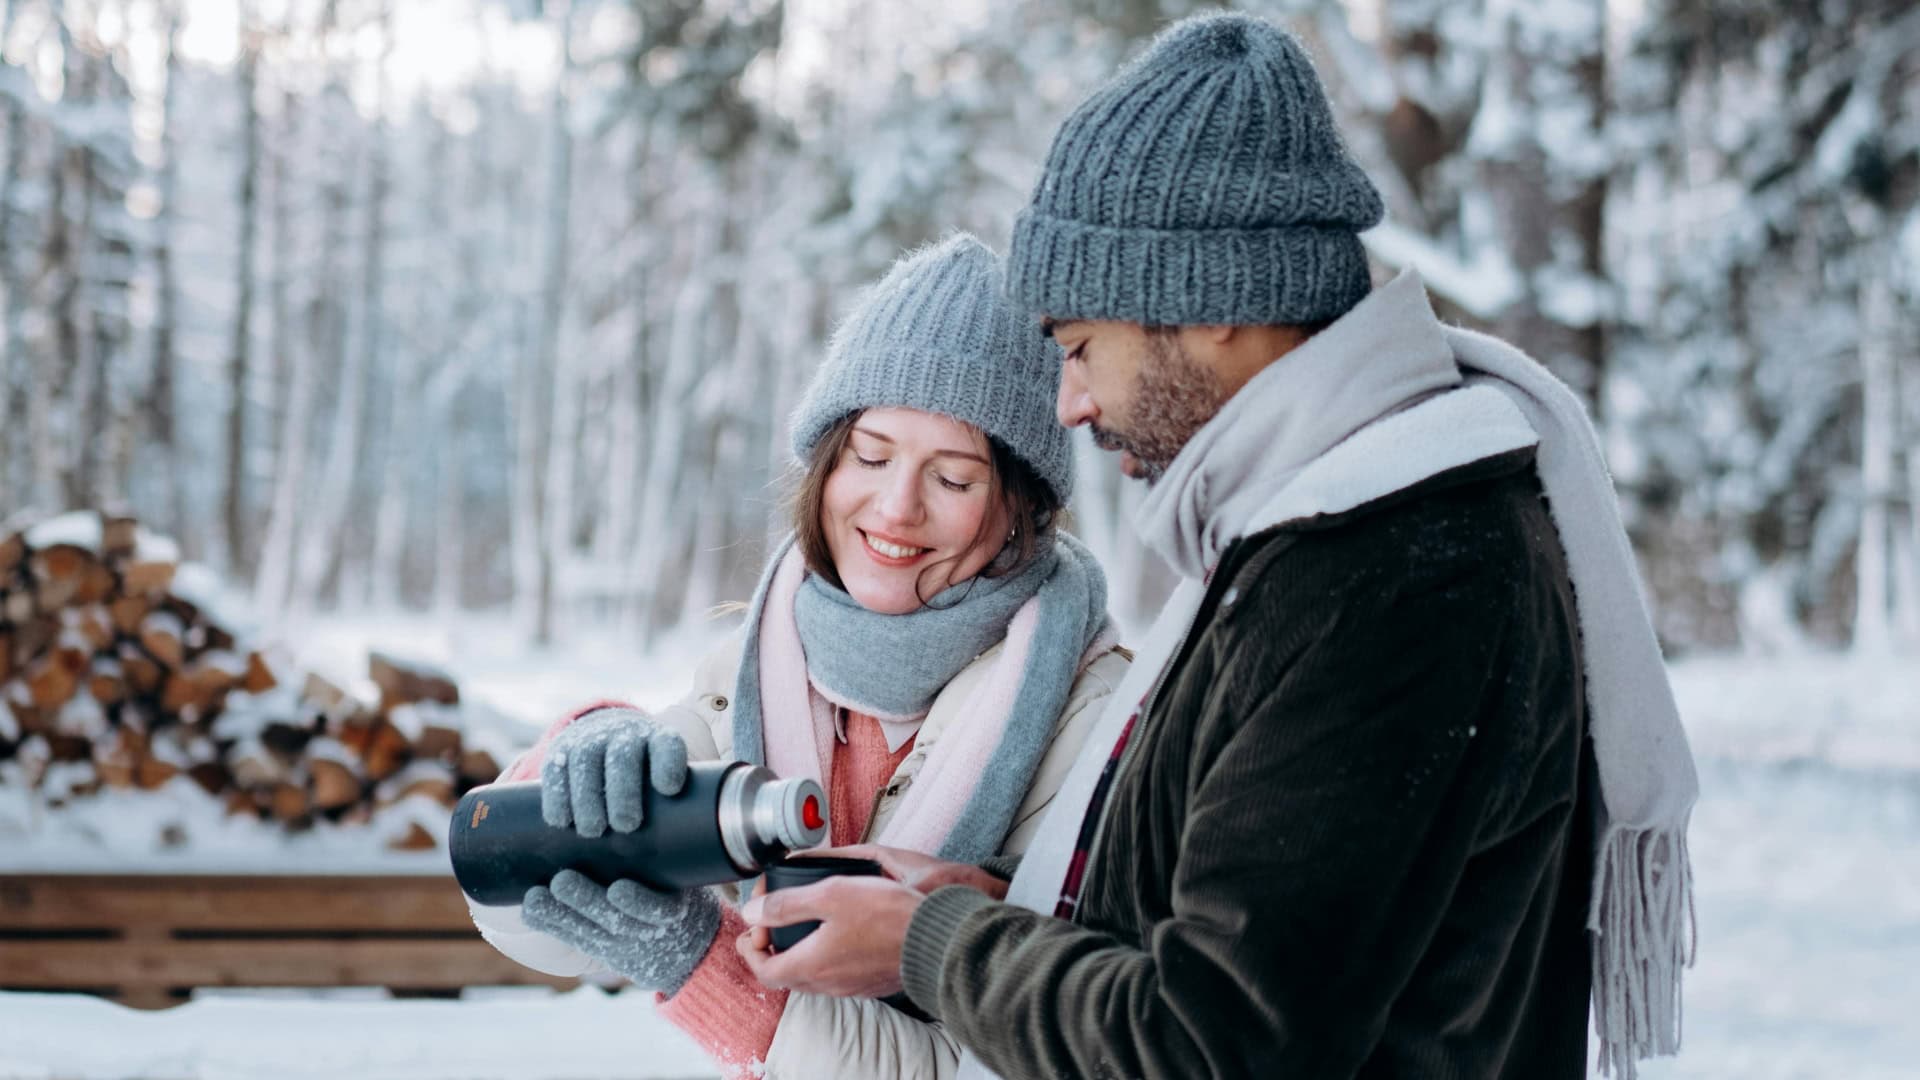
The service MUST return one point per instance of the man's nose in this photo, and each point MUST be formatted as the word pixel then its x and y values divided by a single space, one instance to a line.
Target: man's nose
pixel 1073 406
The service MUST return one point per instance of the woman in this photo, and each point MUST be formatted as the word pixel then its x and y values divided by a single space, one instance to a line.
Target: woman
pixel 927 645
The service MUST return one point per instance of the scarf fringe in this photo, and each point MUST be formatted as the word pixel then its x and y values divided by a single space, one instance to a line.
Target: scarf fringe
pixel 1644 933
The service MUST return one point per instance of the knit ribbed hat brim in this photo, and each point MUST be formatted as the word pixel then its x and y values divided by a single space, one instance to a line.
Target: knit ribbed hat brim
pixel 1296 275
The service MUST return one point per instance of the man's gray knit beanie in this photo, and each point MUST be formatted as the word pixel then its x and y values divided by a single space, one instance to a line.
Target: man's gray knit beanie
pixel 939 334
pixel 1204 185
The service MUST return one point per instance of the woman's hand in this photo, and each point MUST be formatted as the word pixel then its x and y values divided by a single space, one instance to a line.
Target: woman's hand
pixel 597 772
pixel 923 873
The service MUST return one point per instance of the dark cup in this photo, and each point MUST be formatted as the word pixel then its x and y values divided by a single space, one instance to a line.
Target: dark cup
pixel 797 870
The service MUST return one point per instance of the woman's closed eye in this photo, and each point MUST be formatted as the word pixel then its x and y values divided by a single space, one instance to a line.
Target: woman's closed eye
pixel 954 485
pixel 866 462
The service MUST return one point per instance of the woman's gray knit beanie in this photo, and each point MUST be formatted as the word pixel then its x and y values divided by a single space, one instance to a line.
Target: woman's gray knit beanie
pixel 939 334
pixel 1204 185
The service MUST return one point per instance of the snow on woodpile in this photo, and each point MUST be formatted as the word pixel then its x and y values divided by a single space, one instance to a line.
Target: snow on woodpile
pixel 138 713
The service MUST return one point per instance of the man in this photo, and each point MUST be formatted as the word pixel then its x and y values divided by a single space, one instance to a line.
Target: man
pixel 1376 770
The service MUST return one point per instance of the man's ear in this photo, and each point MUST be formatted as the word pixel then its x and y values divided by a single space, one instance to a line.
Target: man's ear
pixel 1211 345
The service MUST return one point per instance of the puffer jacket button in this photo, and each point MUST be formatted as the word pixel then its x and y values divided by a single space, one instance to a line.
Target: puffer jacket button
pixel 718 703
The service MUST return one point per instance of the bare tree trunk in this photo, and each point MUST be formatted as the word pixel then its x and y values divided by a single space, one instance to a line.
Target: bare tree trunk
pixel 384 572
pixel 326 535
pixel 1909 574
pixel 59 255
pixel 1872 621
pixel 1551 208
pixel 14 374
pixel 532 404
pixel 280 257
pixel 667 425
pixel 713 534
pixel 160 407
pixel 292 382
pixel 632 389
pixel 86 416
pixel 239 356
pixel 46 379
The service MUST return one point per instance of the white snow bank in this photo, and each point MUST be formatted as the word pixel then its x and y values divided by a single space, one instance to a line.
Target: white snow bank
pixel 1850 712
pixel 586 1034
pixel 180 829
pixel 80 528
pixel 221 604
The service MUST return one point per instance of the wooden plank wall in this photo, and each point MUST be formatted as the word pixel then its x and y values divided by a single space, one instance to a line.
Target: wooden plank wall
pixel 148 941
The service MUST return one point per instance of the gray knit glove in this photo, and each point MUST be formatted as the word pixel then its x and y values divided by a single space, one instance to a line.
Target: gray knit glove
pixel 597 772
pixel 654 938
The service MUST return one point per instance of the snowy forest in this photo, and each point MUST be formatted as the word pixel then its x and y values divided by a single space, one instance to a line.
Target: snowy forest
pixel 451 305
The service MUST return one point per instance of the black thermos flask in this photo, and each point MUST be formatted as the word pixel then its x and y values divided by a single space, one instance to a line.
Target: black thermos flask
pixel 728 822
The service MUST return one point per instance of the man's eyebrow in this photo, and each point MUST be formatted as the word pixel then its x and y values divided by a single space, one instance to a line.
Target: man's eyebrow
pixel 968 454
pixel 1048 324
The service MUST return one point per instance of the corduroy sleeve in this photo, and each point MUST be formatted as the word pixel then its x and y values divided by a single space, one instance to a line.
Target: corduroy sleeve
pixel 1001 866
pixel 1325 828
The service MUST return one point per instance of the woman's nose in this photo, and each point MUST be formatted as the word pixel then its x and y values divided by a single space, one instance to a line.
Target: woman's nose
pixel 900 501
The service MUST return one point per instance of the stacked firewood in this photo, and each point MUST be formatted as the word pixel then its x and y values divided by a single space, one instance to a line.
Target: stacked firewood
pixel 119 670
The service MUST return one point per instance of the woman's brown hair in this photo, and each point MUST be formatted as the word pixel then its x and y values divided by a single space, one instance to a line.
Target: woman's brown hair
pixel 1032 509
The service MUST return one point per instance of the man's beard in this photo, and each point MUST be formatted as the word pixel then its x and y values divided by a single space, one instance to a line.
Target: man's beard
pixel 1174 396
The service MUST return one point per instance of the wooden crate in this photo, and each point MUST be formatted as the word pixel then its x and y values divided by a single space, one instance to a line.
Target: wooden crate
pixel 148 941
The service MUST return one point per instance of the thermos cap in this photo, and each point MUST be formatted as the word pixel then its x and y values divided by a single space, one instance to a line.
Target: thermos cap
pixel 800 811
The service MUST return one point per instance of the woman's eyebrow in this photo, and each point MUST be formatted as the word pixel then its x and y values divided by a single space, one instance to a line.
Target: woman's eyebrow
pixel 968 454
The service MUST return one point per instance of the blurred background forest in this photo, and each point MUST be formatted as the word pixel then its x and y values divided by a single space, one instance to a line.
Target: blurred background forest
pixel 452 305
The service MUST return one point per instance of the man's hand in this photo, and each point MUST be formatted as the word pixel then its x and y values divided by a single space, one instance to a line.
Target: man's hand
pixel 923 873
pixel 856 950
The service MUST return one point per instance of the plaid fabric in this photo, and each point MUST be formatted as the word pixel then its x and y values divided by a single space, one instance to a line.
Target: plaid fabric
pixel 1077 868
pixel 1083 845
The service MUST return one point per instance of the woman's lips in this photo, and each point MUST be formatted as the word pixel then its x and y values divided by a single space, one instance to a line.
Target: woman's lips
pixel 867 541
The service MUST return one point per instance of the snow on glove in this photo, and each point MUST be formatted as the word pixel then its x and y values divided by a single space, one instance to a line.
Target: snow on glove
pixel 654 938
pixel 598 770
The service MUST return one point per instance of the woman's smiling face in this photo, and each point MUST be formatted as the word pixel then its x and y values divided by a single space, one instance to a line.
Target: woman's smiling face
pixel 909 497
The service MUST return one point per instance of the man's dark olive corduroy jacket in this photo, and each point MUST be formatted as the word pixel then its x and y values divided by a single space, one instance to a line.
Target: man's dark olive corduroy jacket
pixel 1350 838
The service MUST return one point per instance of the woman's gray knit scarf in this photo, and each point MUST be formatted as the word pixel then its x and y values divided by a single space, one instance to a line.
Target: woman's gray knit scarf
pixel 892 666
pixel 896 665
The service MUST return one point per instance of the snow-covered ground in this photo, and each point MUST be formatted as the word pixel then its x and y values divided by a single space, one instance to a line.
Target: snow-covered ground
pixel 504 1034
pixel 1806 849
pixel 1806 853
